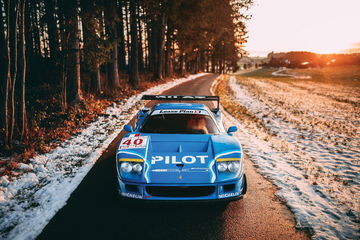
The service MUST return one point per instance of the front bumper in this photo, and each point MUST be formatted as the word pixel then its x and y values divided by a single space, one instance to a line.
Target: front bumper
pixel 224 191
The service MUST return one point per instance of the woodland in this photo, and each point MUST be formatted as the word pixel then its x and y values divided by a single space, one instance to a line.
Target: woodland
pixel 63 61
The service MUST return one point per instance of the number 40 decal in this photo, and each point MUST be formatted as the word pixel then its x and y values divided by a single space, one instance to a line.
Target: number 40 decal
pixel 133 142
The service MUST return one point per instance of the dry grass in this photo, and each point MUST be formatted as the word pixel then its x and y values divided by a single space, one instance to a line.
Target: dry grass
pixel 231 105
pixel 341 74
pixel 344 75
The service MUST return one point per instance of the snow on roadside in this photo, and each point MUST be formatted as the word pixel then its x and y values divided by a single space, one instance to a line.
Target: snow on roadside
pixel 279 73
pixel 314 211
pixel 28 202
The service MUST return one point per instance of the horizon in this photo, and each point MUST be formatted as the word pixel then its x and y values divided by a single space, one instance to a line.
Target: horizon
pixel 322 27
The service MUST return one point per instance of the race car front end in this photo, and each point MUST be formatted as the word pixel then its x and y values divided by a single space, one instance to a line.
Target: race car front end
pixel 180 168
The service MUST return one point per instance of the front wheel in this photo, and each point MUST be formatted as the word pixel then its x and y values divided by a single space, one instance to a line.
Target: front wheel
pixel 245 186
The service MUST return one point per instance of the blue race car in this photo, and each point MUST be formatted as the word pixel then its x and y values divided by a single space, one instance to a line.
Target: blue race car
pixel 180 151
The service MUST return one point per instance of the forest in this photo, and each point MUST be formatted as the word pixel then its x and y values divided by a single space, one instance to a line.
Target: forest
pixel 62 61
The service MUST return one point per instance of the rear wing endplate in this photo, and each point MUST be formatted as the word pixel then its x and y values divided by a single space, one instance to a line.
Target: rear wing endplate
pixel 183 98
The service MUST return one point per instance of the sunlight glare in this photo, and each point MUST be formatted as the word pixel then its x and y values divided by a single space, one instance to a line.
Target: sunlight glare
pixel 321 26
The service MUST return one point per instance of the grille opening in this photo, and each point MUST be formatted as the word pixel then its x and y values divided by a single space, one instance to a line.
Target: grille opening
pixel 131 188
pixel 229 187
pixel 188 191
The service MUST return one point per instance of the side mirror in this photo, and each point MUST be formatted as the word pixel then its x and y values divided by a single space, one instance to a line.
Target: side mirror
pixel 141 115
pixel 128 128
pixel 232 129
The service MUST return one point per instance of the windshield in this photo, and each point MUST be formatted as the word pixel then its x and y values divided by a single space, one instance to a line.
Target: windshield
pixel 180 124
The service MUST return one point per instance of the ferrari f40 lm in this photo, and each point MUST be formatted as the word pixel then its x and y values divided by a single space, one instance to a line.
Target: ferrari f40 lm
pixel 180 151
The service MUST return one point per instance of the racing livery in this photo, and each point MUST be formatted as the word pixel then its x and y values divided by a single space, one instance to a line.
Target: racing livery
pixel 180 151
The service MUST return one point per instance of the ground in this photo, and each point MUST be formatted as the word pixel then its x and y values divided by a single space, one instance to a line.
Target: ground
pixel 308 121
pixel 298 132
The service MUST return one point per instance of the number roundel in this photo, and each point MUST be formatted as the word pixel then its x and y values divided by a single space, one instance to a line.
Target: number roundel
pixel 134 142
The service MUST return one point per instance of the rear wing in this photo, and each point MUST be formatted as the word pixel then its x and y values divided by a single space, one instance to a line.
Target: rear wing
pixel 180 98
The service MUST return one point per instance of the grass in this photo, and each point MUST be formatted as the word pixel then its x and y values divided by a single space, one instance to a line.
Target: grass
pixel 332 74
pixel 231 105
pixel 344 75
pixel 260 73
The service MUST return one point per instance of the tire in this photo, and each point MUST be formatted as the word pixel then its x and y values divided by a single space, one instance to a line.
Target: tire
pixel 245 186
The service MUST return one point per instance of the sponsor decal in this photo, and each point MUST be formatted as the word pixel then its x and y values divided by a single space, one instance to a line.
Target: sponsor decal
pixel 226 195
pixel 180 97
pixel 179 111
pixel 134 141
pixel 131 195
pixel 179 160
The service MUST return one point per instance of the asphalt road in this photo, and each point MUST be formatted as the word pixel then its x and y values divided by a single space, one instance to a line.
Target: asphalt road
pixel 94 210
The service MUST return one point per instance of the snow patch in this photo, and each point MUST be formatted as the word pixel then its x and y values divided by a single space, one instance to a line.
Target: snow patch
pixel 279 73
pixel 305 159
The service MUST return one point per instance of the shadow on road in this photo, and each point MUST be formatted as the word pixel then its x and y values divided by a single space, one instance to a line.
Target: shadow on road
pixel 95 211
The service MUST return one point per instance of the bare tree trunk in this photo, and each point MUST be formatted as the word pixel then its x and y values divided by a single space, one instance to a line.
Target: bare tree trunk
pixel 52 28
pixel 13 26
pixel 64 105
pixel 127 24
pixel 111 18
pixel 8 80
pixel 29 40
pixel 23 72
pixel 3 65
pixel 35 25
pixel 63 55
pixel 96 78
pixel 159 40
pixel 146 52
pixel 113 66
pixel 213 63
pixel 44 48
pixel 89 14
pixel 151 44
pixel 134 64
pixel 73 56
pixel 121 53
pixel 140 41
pixel 183 64
pixel 168 56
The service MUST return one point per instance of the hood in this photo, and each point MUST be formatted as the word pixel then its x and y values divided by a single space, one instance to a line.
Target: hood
pixel 182 158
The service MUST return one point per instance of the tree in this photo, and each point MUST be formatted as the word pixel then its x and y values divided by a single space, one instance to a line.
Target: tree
pixel 13 11
pixel 3 67
pixel 43 48
pixel 72 52
pixel 111 20
pixel 121 48
pixel 23 118
pixel 95 47
pixel 134 64
pixel 52 28
pixel 158 12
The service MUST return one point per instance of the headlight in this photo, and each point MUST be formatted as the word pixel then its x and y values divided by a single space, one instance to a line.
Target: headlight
pixel 222 167
pixel 131 168
pixel 126 167
pixel 234 166
pixel 137 168
pixel 229 166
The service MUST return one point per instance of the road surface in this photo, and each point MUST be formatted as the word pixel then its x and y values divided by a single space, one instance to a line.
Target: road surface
pixel 94 210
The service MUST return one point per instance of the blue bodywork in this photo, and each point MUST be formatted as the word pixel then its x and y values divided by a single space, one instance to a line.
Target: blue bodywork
pixel 180 166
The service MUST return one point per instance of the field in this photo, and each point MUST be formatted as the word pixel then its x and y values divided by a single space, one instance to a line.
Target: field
pixel 311 120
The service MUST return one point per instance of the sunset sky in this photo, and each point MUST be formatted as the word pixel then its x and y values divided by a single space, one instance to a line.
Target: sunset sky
pixel 322 26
